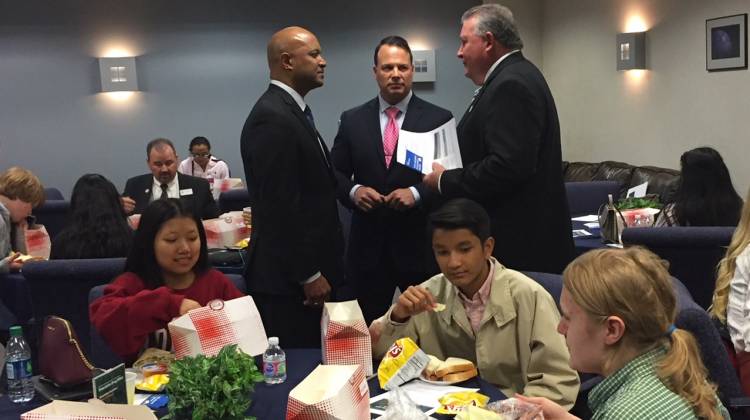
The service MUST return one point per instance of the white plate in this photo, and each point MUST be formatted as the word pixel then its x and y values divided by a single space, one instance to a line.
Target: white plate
pixel 423 379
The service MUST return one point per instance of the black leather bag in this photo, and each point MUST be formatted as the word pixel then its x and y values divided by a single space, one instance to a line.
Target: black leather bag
pixel 226 257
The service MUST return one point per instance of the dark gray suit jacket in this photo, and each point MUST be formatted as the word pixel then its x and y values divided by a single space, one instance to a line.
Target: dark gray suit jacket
pixel 510 147
pixel 296 229
pixel 200 202
pixel 358 157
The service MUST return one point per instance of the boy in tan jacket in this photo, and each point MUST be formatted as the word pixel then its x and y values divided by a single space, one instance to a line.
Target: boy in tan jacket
pixel 498 318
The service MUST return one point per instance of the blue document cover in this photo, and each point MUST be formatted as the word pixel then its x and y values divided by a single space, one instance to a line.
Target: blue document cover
pixel 413 160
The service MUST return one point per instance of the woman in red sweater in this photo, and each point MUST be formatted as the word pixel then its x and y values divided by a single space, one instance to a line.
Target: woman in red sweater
pixel 166 275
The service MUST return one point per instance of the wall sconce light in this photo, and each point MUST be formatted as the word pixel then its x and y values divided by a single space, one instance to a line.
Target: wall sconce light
pixel 118 74
pixel 631 51
pixel 424 65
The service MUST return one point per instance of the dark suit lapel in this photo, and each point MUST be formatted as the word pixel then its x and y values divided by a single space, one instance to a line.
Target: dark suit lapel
pixel 320 145
pixel 144 192
pixel 414 112
pixel 513 58
pixel 373 128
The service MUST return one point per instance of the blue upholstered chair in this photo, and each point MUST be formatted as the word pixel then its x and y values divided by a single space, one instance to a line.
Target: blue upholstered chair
pixel 53 194
pixel 552 283
pixel 100 353
pixel 586 197
pixel 61 287
pixel 234 200
pixel 53 214
pixel 692 253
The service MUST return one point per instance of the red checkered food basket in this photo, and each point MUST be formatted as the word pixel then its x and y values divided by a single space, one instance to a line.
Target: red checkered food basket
pixel 71 410
pixel 331 392
pixel 208 329
pixel 345 336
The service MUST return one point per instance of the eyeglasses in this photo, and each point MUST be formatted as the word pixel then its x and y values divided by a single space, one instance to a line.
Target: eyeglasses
pixel 201 155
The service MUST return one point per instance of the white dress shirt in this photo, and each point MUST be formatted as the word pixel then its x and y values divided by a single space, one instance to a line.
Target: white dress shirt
pixel 402 106
pixel 173 190
pixel 738 307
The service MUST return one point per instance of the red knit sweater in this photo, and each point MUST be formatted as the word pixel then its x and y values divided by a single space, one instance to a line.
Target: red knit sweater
pixel 129 315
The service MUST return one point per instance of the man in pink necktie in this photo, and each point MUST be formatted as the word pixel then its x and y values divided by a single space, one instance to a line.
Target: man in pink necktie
pixel 387 243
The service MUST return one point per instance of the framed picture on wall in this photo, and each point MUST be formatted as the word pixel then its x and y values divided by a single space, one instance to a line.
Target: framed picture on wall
pixel 726 43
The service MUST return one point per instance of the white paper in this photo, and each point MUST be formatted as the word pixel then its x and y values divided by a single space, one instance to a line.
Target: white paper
pixel 577 233
pixel 592 225
pixel 638 191
pixel 419 150
pixel 587 218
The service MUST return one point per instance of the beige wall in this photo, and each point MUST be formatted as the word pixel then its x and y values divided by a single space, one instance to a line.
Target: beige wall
pixel 528 15
pixel 675 106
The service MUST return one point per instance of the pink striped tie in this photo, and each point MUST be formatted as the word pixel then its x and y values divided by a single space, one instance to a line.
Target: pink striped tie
pixel 390 135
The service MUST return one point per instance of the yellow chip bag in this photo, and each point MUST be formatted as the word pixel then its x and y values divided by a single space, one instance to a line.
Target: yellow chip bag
pixel 403 362
pixel 153 383
pixel 454 402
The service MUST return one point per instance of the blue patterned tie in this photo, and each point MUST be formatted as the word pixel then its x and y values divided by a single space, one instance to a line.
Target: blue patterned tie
pixel 308 114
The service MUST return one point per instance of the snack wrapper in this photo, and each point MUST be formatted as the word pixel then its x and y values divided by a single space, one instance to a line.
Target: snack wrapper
pixel 454 402
pixel 476 413
pixel 153 383
pixel 403 362
pixel 515 409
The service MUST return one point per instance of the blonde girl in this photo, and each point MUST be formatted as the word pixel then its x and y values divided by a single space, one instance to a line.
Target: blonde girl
pixel 731 298
pixel 618 311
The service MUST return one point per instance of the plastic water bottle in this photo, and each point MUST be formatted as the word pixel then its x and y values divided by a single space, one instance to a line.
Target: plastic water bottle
pixel 274 362
pixel 18 367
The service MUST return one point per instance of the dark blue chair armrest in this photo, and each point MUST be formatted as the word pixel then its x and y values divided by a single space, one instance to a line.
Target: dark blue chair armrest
pixel 234 200
pixel 52 193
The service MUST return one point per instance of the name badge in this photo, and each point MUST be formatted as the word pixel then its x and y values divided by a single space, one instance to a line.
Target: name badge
pixel 186 191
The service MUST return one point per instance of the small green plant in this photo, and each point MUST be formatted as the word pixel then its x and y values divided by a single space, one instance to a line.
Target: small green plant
pixel 638 203
pixel 212 387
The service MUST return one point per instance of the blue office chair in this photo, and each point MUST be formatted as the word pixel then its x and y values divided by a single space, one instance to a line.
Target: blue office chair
pixel 234 200
pixel 692 252
pixel 53 194
pixel 61 287
pixel 586 197
pixel 53 214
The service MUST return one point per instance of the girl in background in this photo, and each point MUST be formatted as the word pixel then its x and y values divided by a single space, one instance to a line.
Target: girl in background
pixel 705 196
pixel 166 275
pixel 97 225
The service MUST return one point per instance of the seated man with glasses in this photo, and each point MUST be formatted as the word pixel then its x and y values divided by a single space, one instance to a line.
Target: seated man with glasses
pixel 200 163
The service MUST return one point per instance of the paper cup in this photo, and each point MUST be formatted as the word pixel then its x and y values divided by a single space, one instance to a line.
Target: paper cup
pixel 247 216
pixel 130 386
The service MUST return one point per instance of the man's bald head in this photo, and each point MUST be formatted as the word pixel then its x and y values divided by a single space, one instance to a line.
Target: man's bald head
pixel 294 58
